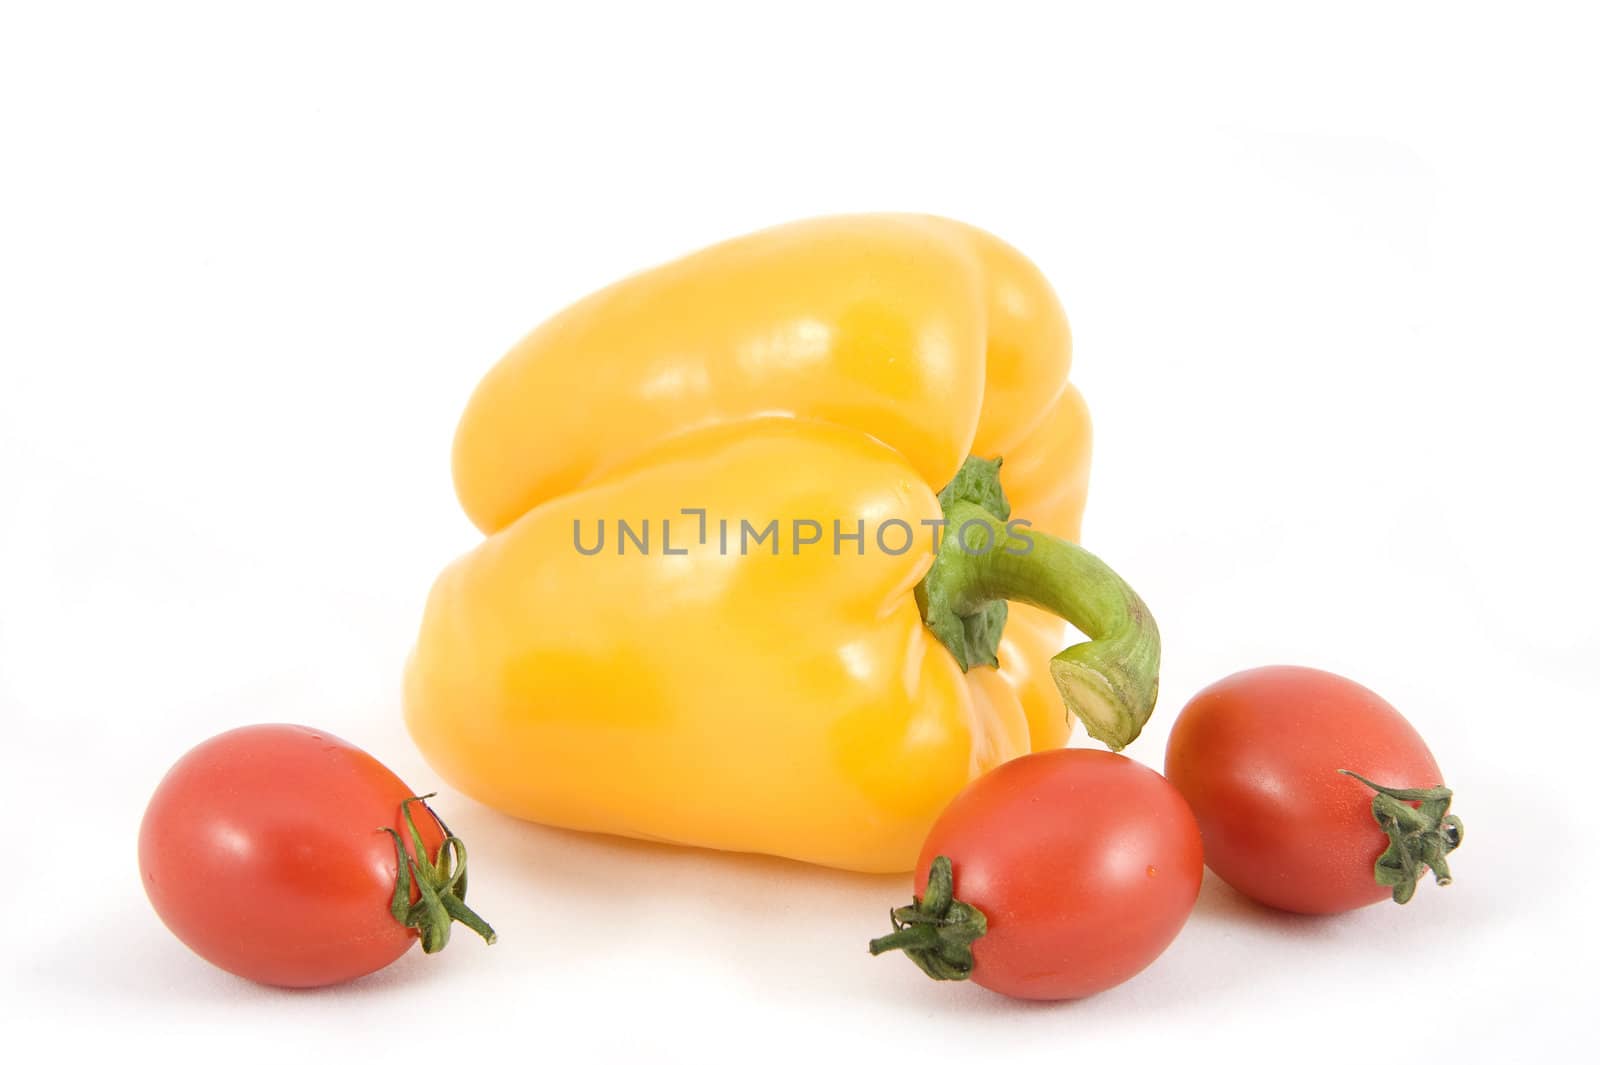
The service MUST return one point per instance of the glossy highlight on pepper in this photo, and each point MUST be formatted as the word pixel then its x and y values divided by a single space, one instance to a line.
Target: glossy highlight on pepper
pixel 818 705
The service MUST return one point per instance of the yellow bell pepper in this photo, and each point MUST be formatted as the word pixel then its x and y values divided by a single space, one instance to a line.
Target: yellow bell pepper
pixel 711 608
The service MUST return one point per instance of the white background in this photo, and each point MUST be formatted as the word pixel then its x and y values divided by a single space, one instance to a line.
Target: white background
pixel 1333 283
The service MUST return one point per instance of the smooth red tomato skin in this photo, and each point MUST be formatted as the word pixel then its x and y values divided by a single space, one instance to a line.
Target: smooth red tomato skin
pixel 261 851
pixel 1085 863
pixel 1258 756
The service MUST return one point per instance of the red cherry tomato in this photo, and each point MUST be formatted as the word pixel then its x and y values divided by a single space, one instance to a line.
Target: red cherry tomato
pixel 264 851
pixel 1082 864
pixel 1259 757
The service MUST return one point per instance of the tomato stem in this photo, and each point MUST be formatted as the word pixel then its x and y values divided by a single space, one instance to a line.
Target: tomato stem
pixel 937 930
pixel 1419 835
pixel 441 883
pixel 1109 682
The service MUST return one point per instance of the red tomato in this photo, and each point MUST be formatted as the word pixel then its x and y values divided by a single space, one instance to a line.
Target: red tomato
pixel 263 850
pixel 1259 754
pixel 1083 864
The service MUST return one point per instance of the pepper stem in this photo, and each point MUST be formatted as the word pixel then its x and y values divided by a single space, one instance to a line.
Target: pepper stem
pixel 937 930
pixel 441 883
pixel 1419 836
pixel 1108 682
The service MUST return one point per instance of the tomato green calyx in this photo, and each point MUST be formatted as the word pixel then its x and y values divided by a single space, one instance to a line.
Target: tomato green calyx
pixel 936 931
pixel 1419 836
pixel 984 559
pixel 441 883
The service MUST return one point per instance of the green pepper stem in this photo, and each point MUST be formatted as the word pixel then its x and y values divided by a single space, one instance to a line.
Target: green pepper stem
pixel 1108 682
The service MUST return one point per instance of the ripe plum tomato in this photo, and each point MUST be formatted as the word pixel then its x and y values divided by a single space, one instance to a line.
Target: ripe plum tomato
pixel 273 852
pixel 1269 761
pixel 1054 876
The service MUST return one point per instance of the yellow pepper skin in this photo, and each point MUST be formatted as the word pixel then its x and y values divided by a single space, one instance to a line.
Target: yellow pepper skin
pixel 792 703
